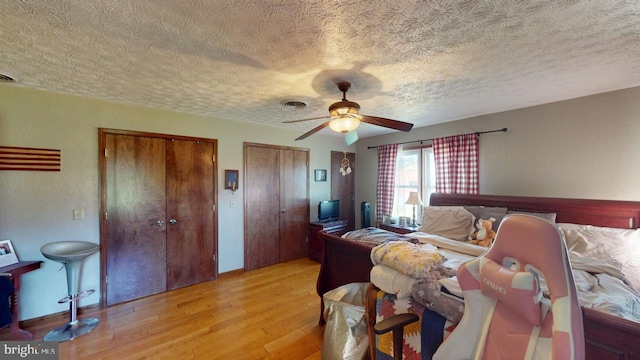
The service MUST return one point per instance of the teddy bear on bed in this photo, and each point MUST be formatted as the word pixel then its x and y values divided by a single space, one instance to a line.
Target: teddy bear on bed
pixel 484 234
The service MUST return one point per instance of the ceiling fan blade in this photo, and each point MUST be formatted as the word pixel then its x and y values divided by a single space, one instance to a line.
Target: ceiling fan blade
pixel 313 131
pixel 388 123
pixel 307 119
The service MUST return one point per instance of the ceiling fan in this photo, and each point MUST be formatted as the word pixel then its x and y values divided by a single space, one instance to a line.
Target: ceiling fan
pixel 345 118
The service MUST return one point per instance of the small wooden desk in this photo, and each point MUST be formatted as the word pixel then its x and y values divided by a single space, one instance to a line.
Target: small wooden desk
pixel 16 270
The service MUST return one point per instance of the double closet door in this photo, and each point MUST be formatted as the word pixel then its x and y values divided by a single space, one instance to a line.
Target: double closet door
pixel 158 223
pixel 276 204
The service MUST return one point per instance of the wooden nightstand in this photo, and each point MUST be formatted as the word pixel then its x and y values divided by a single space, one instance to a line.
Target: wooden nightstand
pixel 316 246
pixel 399 229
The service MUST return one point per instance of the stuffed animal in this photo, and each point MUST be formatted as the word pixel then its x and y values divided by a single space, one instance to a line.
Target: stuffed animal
pixel 484 234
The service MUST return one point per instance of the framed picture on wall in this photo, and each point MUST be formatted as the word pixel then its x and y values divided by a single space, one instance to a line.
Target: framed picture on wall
pixel 320 175
pixel 7 254
pixel 231 180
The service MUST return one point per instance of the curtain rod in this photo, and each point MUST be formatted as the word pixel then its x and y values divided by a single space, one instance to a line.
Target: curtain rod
pixel 478 133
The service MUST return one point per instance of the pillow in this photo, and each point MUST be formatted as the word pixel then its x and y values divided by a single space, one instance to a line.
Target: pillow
pixel 453 222
pixel 605 243
pixel 482 212
pixel 518 290
pixel 550 217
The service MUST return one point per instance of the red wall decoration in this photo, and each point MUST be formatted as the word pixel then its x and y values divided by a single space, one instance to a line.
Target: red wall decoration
pixel 17 158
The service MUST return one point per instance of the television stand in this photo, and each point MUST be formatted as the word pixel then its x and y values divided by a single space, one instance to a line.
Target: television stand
pixel 328 221
pixel 315 244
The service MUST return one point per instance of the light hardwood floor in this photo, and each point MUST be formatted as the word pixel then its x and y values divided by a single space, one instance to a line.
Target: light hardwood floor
pixel 268 313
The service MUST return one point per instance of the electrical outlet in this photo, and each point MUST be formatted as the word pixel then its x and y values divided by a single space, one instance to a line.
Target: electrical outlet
pixel 78 214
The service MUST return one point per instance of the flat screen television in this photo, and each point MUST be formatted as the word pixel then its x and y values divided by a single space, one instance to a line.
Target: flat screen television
pixel 328 210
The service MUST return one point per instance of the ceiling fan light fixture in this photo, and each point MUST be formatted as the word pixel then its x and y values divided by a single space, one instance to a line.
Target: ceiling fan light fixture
pixel 344 107
pixel 346 118
pixel 344 124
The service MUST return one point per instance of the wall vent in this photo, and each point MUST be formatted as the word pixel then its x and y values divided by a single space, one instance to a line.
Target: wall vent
pixel 294 104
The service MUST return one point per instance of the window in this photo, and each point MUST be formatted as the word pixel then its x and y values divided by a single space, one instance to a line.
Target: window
pixel 415 171
pixel 429 173
pixel 408 178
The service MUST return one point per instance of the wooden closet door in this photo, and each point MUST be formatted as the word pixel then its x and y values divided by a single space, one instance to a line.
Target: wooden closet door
pixel 135 215
pixel 294 200
pixel 190 215
pixel 262 206
pixel 344 187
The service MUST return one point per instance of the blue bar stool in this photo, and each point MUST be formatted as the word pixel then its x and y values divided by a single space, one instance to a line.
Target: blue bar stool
pixel 71 254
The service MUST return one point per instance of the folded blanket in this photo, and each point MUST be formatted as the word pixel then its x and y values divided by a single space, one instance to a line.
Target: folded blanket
pixel 410 259
pixel 375 236
pixel 427 292
pixel 392 281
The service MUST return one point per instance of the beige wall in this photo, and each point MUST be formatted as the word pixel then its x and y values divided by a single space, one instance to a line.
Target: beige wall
pixel 582 148
pixel 36 207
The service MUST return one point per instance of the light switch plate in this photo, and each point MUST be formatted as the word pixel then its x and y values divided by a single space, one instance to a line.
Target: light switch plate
pixel 78 214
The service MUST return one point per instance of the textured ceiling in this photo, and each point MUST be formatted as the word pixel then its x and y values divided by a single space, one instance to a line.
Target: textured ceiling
pixel 423 62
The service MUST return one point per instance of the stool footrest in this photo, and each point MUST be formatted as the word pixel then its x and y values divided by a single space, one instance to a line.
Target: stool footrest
pixel 77 296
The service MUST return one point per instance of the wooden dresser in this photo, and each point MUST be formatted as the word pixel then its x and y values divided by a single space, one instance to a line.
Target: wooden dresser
pixel 316 246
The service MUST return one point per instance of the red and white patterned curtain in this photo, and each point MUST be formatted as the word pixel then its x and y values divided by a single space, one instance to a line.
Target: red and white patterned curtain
pixel 456 159
pixel 387 155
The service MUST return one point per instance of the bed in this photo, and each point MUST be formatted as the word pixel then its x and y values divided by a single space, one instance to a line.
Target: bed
pixel 606 336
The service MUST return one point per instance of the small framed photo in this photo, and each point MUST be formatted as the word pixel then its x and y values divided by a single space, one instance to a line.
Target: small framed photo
pixel 7 254
pixel 231 180
pixel 405 221
pixel 320 175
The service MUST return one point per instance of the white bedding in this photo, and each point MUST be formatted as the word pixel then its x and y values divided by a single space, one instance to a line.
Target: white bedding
pixel 598 281
pixel 392 281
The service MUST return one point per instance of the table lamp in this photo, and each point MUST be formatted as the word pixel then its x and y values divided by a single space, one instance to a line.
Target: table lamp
pixel 414 199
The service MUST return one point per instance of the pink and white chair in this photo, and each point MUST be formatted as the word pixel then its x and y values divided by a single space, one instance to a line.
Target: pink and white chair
pixel 506 315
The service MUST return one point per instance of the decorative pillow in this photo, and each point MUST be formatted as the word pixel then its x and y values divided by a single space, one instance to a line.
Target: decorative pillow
pixel 453 222
pixel 605 243
pixel 482 212
pixel 550 217
pixel 517 290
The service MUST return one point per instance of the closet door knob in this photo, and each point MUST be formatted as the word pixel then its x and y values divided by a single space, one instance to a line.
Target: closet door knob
pixel 160 223
pixel 173 221
pixel 283 211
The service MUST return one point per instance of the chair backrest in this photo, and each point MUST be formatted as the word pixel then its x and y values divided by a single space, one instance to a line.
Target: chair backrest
pixel 506 314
